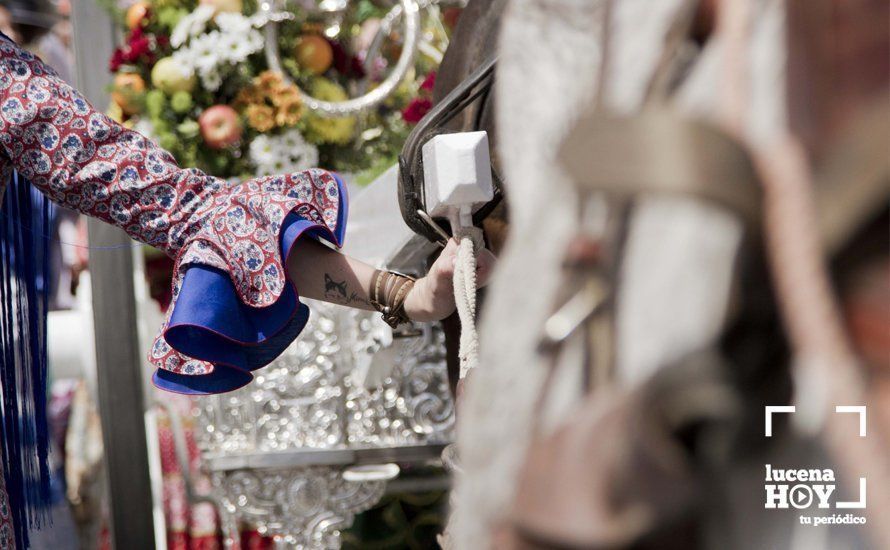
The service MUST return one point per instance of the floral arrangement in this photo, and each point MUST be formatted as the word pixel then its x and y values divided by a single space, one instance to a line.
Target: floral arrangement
pixel 193 75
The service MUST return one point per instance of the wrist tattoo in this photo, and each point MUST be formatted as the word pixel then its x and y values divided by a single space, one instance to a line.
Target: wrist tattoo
pixel 338 288
pixel 338 291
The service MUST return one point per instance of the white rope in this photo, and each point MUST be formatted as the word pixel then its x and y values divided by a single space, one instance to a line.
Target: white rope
pixel 469 242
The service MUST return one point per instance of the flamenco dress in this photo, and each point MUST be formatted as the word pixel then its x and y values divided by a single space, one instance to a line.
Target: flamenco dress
pixel 234 309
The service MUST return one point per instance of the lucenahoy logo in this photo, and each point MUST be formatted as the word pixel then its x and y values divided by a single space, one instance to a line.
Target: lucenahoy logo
pixel 812 487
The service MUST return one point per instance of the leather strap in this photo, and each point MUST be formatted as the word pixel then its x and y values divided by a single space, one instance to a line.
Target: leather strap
pixel 659 152
pixel 388 293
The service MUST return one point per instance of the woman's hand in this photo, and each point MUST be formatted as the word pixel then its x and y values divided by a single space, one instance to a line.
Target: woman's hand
pixel 432 298
pixel 325 274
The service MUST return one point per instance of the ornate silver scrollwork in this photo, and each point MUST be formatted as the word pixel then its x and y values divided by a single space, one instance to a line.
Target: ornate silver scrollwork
pixel 300 508
pixel 307 398
pixel 258 441
pixel 407 10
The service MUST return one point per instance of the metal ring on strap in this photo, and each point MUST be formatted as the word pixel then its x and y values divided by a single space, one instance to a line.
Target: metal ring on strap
pixel 409 10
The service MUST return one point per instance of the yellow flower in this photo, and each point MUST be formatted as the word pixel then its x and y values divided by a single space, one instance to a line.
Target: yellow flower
pixel 338 131
pixel 269 101
pixel 328 90
pixel 268 82
pixel 289 112
pixel 285 95
pixel 248 96
pixel 260 117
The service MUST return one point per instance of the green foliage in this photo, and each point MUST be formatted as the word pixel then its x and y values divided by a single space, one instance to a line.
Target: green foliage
pixel 187 5
pixel 167 141
pixel 408 521
pixel 366 10
pixel 169 16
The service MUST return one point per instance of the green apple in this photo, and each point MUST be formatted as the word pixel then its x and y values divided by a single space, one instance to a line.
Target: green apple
pixel 170 77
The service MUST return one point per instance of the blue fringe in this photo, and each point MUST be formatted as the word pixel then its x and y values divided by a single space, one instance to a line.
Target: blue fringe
pixel 24 272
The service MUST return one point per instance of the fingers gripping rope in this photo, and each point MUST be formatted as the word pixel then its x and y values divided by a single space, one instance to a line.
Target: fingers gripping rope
pixel 469 243
pixel 457 179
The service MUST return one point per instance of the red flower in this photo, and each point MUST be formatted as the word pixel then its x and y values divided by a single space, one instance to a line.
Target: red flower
pixel 348 65
pixel 429 82
pixel 139 47
pixel 416 110
pixel 117 59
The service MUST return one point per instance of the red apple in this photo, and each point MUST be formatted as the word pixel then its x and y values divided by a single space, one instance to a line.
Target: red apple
pixel 220 126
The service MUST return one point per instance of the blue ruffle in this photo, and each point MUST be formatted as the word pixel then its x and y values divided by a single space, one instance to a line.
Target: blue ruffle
pixel 210 322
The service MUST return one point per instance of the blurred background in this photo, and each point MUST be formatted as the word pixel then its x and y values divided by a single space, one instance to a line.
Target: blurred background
pixel 690 211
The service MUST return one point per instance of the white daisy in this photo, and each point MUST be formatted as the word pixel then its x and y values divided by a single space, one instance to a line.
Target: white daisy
pixel 234 48
pixel 256 40
pixel 291 139
pixel 211 80
pixel 191 25
pixel 263 150
pixel 205 51
pixel 233 23
pixel 282 154
pixel 185 58
pixel 281 148
pixel 303 155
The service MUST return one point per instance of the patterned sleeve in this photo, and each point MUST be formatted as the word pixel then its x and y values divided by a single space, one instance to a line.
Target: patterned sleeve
pixel 83 160
pixel 230 241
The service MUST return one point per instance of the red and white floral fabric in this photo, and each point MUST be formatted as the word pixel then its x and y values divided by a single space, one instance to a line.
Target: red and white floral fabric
pixel 83 160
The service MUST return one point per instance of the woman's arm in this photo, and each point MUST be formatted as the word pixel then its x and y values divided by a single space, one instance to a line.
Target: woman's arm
pixel 84 160
pixel 325 274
